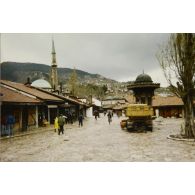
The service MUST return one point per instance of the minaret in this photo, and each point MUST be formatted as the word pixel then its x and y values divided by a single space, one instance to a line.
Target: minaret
pixel 54 74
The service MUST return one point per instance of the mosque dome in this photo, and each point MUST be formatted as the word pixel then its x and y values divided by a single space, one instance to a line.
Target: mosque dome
pixel 41 83
pixel 143 78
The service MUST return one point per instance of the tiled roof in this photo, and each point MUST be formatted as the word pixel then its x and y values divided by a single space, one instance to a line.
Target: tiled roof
pixel 11 96
pixel 166 101
pixel 31 90
pixel 64 97
pixel 74 100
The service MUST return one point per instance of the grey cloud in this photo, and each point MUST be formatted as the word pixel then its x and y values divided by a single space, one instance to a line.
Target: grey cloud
pixel 117 56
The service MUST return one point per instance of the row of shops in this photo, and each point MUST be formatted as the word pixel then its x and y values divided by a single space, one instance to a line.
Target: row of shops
pixel 163 106
pixel 33 107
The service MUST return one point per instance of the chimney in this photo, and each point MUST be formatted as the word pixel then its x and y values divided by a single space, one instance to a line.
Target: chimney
pixel 61 87
pixel 28 83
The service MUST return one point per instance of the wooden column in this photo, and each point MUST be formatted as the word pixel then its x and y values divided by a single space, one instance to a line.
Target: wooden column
pixel 20 121
pixel 48 115
pixel 36 117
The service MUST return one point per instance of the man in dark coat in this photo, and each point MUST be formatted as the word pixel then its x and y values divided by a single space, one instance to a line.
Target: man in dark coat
pixel 109 117
pixel 96 113
pixel 61 122
pixel 10 124
pixel 80 120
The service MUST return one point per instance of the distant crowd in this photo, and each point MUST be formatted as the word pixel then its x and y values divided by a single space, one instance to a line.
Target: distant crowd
pixel 7 122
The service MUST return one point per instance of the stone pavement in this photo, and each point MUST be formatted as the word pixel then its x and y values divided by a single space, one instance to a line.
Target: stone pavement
pixel 34 131
pixel 29 132
pixel 98 141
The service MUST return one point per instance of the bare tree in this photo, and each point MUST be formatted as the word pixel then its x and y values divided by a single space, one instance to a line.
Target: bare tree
pixel 177 60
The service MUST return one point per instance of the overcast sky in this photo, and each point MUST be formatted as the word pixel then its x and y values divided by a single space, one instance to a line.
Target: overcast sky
pixel 117 56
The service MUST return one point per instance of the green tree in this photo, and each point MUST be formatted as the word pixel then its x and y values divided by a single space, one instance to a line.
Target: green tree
pixel 177 60
pixel 104 88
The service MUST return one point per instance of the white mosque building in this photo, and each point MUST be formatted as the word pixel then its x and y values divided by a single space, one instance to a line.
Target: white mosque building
pixel 41 83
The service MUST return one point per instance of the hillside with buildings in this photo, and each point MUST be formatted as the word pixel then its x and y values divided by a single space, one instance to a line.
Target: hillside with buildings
pixel 18 72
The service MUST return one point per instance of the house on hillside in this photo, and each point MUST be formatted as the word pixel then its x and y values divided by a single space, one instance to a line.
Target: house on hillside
pixel 110 102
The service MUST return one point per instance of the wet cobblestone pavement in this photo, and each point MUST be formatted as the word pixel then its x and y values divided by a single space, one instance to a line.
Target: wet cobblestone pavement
pixel 100 142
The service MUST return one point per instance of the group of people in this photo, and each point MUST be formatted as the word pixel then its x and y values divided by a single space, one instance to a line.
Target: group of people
pixel 60 121
pixel 59 124
pixel 109 115
pixel 7 124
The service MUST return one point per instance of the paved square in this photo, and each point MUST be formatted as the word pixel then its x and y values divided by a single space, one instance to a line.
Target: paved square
pixel 98 141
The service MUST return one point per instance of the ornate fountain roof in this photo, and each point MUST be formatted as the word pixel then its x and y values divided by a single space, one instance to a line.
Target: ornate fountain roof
pixel 143 78
pixel 143 81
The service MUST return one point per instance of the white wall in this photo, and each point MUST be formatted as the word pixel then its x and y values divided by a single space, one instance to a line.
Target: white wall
pixel 96 102
pixel 89 112
pixel 157 112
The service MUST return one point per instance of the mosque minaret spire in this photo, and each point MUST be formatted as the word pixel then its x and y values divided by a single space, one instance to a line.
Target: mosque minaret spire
pixel 54 73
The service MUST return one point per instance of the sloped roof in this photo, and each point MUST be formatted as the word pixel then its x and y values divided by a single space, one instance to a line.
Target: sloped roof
pixel 166 101
pixel 11 96
pixel 31 90
pixel 72 100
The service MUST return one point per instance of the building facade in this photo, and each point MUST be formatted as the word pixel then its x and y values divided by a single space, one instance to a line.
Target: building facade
pixel 167 107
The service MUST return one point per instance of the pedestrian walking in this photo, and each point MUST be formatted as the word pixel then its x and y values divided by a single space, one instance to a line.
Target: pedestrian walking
pixel 80 120
pixel 56 125
pixel 109 117
pixel 71 117
pixel 61 122
pixel 96 113
pixel 10 124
